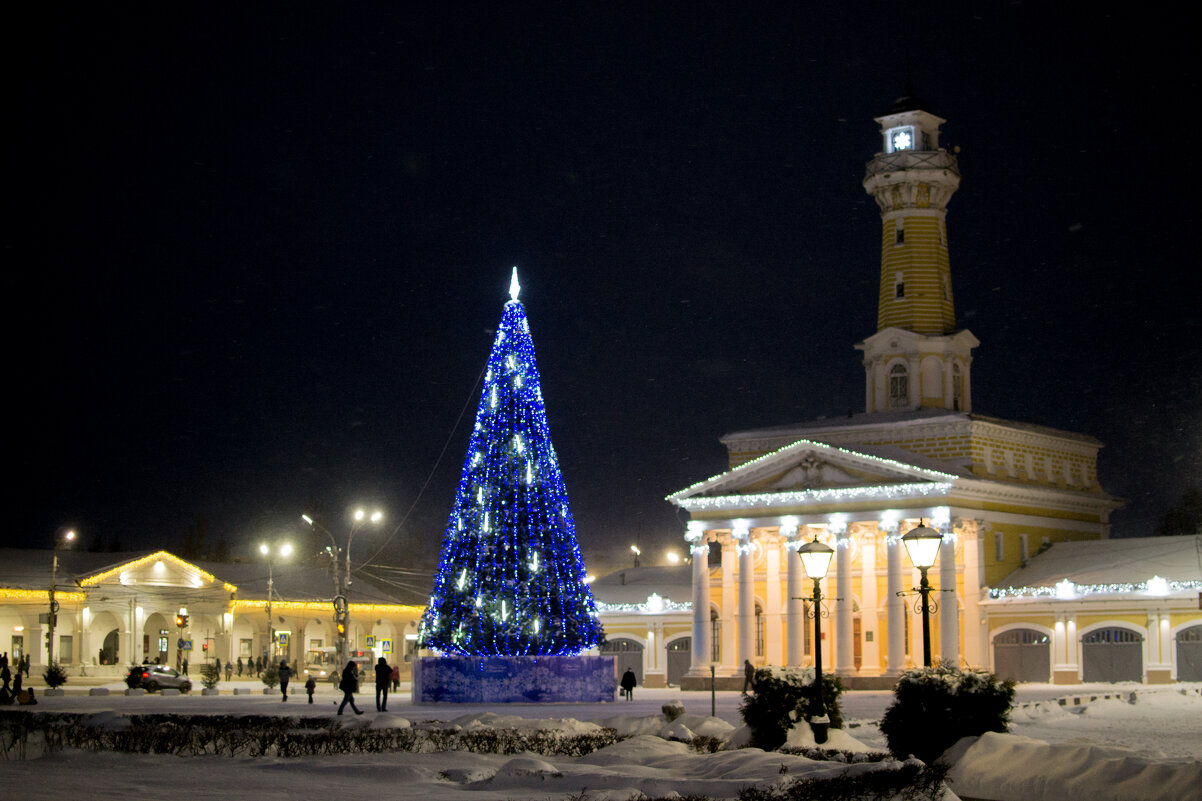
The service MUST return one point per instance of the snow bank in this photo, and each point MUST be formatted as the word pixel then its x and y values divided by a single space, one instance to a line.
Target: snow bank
pixel 566 727
pixel 1007 767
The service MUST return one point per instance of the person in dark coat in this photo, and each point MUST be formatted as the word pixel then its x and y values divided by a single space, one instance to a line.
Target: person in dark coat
pixel 396 678
pixel 285 675
pixel 185 667
pixel 629 682
pixel 310 686
pixel 383 679
pixel 748 676
pixel 239 667
pixel 350 681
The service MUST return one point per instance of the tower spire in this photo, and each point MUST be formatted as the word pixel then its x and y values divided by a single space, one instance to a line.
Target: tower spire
pixel 514 286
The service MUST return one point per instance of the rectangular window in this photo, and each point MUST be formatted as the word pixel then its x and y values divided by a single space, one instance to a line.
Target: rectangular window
pixel 244 648
pixel 899 235
pixel 899 289
pixel 1024 548
pixel 715 640
pixel 66 649
pixel 999 547
pixel 759 635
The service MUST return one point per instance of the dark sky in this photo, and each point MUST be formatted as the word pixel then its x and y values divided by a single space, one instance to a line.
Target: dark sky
pixel 257 256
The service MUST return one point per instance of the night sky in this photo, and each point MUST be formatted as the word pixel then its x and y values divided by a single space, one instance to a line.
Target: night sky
pixel 256 257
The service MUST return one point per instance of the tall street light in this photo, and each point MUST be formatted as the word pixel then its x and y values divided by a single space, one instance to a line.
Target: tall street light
pixel 66 539
pixel 342 620
pixel 922 544
pixel 283 550
pixel 815 560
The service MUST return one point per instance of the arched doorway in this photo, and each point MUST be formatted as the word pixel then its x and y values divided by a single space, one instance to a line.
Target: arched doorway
pixel 1112 654
pixel 1189 654
pixel 1023 655
pixel 679 656
pixel 628 654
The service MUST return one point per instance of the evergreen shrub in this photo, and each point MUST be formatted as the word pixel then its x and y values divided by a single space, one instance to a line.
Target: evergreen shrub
pixel 54 675
pixel 784 696
pixel 936 706
pixel 210 675
pixel 271 675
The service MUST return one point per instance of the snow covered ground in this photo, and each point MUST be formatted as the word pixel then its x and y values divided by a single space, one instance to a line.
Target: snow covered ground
pixel 1150 743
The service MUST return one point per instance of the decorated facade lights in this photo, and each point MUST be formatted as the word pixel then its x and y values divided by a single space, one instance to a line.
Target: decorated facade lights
pixel 816 560
pixel 511 578
pixel 815 497
pixel 1068 590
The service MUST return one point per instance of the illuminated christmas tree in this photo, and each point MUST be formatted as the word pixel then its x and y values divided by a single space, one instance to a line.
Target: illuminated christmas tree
pixel 511 579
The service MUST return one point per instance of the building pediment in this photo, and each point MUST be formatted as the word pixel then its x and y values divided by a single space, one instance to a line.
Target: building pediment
pixel 808 466
pixel 159 569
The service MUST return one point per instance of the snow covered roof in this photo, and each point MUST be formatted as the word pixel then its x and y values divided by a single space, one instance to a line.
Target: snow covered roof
pixel 632 588
pixel 1157 565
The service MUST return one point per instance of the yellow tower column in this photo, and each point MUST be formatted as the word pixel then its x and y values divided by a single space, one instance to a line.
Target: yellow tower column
pixel 917 359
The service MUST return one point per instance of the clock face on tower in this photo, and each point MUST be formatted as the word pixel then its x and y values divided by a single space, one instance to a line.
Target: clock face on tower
pixel 902 139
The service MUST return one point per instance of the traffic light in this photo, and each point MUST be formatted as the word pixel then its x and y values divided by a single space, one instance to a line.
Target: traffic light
pixel 341 627
pixel 181 620
pixel 204 646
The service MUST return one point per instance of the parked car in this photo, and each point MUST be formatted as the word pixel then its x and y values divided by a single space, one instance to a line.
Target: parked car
pixel 152 678
pixel 319 672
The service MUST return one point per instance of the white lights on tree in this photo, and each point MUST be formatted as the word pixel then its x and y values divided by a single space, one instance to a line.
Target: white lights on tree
pixel 514 286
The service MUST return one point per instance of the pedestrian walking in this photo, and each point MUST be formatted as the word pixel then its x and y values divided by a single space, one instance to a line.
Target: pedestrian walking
pixel 229 671
pixel 348 685
pixel 383 680
pixel 310 686
pixel 239 667
pixel 185 667
pixel 25 665
pixel 258 666
pixel 396 678
pixel 218 667
pixel 285 675
pixel 748 676
pixel 629 682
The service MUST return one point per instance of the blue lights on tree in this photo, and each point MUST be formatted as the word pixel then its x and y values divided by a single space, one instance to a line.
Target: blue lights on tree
pixel 511 578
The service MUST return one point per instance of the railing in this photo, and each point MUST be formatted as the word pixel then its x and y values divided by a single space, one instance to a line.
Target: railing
pixel 912 160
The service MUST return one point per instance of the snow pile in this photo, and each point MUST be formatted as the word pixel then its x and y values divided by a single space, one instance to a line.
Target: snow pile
pixel 1007 767
pixel 564 727
pixel 686 727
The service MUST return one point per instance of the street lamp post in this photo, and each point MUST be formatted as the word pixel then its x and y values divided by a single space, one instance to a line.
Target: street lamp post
pixel 816 559
pixel 922 544
pixel 67 538
pixel 343 582
pixel 284 551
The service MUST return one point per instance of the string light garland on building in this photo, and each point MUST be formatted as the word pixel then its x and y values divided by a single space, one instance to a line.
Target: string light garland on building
pixel 511 580
pixel 164 556
pixel 887 492
pixel 1066 590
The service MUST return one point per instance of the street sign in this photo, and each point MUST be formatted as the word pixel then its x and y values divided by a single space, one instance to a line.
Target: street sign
pixel 371 640
pixel 185 645
pixel 386 646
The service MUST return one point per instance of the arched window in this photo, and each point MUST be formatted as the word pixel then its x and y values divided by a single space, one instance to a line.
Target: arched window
pixel 899 387
pixel 957 387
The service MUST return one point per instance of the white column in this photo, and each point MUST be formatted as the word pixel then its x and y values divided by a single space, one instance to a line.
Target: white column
pixel 727 614
pixel 746 553
pixel 976 638
pixel 949 615
pixel 702 645
pixel 870 657
pixel 795 619
pixel 845 661
pixel 772 603
pixel 895 606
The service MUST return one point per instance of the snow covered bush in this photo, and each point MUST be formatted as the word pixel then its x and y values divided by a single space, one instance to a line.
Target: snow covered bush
pixel 210 675
pixel 782 697
pixel 936 706
pixel 54 675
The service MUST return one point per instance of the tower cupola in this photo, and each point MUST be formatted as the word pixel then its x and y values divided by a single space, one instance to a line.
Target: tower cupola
pixel 917 358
